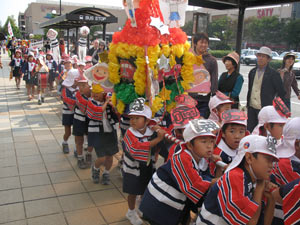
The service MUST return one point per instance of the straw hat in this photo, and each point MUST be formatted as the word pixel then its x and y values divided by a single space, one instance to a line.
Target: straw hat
pixel 232 55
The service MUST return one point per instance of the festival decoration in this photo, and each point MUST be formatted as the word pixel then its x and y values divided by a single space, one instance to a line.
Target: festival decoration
pixel 82 42
pixel 149 59
pixel 281 108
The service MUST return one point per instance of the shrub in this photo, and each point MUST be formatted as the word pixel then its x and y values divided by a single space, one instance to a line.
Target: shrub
pixel 219 53
pixel 275 64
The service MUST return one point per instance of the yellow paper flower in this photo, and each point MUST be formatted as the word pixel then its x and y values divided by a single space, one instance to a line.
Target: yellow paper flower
pixel 120 106
pixel 165 94
pixel 157 104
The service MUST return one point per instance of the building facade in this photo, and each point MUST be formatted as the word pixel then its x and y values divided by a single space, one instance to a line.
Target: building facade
pixel 21 24
pixel 43 10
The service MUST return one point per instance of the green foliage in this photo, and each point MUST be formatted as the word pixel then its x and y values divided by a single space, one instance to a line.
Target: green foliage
pixel 276 64
pixel 188 28
pixel 266 30
pixel 94 30
pixel 219 53
pixel 15 29
pixel 222 28
pixel 292 33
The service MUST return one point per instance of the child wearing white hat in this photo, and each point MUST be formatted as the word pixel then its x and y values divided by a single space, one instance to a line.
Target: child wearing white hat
pixel 179 185
pixel 271 121
pixel 139 144
pixel 288 167
pixel 237 196
pixel 69 101
pixel 234 128
pixel 217 105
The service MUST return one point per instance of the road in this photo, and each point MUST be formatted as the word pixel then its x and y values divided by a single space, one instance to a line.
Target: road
pixel 244 70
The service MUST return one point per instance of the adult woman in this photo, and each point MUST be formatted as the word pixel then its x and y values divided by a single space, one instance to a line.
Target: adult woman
pixel 231 82
pixel 288 77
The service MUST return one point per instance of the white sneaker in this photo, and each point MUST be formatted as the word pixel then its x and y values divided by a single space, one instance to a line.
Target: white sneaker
pixel 133 217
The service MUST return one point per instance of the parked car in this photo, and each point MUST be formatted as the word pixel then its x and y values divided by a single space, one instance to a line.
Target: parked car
pixel 296 69
pixel 280 57
pixel 250 58
pixel 274 54
pixel 243 54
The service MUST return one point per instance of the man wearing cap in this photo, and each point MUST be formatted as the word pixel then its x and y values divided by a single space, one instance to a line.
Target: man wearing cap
pixel 264 83
pixel 231 82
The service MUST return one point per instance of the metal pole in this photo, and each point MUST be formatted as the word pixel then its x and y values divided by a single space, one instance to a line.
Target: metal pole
pixel 68 40
pixel 239 34
pixel 76 41
pixel 60 7
pixel 88 41
pixel 104 31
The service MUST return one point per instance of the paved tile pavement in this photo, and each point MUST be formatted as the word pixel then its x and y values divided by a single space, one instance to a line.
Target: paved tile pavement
pixel 39 185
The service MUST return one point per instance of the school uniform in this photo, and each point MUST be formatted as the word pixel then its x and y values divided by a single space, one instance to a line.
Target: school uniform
pixel 52 66
pixel 229 201
pixel 28 69
pixel 226 154
pixel 136 172
pixel 175 188
pixel 105 142
pixel 290 194
pixel 80 122
pixel 16 64
pixel 284 172
pixel 69 102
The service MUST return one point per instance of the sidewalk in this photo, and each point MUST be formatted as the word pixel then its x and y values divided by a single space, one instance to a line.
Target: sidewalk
pixel 39 185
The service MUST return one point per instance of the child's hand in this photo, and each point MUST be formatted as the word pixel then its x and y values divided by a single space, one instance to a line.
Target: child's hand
pixel 160 133
pixel 215 158
pixel 270 187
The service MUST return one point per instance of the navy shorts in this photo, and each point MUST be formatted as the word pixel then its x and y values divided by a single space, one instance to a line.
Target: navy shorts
pixel 80 128
pixel 67 119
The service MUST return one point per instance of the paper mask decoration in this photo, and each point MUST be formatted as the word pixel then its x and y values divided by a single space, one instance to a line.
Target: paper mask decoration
pixel 99 74
pixel 137 105
pixel 222 96
pixel 201 126
pixel 185 100
pixel 180 116
pixel 281 108
pixel 271 143
pixel 233 115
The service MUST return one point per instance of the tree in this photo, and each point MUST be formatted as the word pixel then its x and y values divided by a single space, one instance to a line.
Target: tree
pixel 15 29
pixel 222 28
pixel 266 30
pixel 188 28
pixel 292 33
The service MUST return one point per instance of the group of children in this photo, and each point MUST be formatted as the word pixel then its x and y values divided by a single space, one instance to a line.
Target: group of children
pixel 257 185
pixel 214 167
pixel 39 71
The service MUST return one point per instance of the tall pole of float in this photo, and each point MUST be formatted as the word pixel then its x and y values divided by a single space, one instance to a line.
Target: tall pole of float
pixel 60 7
pixel 239 33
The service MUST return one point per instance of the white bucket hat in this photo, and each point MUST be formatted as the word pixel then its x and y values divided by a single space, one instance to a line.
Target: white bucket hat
pixel 265 50
pixel 252 144
pixel 268 114
pixel 138 108
pixel 234 116
pixel 218 99
pixel 72 75
pixel 199 127
pixel 291 132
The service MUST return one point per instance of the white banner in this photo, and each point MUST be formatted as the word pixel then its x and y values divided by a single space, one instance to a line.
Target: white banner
pixel 37 44
pixel 9 29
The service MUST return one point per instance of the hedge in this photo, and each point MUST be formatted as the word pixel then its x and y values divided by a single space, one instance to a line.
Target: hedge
pixel 219 53
pixel 276 64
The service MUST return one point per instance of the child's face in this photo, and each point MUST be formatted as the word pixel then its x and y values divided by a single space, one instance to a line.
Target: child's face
pixel 49 57
pixel 179 133
pixel 18 55
pixel 262 165
pixel 223 107
pixel 276 129
pixel 99 96
pixel 81 67
pixel 30 59
pixel 81 86
pixel 86 90
pixel 233 135
pixel 138 122
pixel 68 65
pixel 202 147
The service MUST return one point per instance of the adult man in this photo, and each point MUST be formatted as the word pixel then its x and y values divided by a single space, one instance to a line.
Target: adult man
pixel 264 83
pixel 206 75
pixel 12 47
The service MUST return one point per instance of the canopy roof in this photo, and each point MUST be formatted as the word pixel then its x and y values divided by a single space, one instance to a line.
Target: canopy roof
pixel 88 16
pixel 233 4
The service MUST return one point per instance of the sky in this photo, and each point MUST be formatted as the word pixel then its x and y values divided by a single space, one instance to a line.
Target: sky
pixel 13 7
